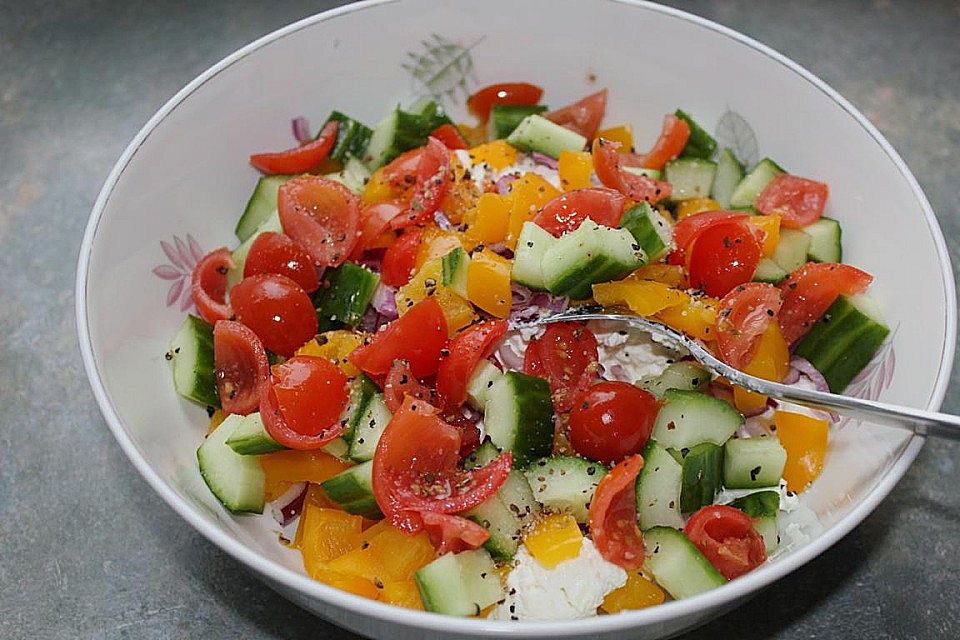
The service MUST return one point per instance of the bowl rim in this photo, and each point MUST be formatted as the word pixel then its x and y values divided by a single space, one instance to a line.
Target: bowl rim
pixel 281 575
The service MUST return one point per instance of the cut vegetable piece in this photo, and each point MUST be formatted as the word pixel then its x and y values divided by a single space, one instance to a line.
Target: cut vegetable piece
pixel 250 437
pixel 791 251
pixel 261 205
pixel 456 265
pixel 677 565
pixel 352 137
pixel 825 241
pixel 754 183
pixel 702 475
pixel 363 391
pixel 763 507
pixel 191 354
pixel 343 296
pixel 684 375
pixel 504 118
pixel 352 490
pixel 369 428
pixel 725 181
pixel 751 463
pixel 690 177
pixel 770 272
pixel 658 489
pixel 460 584
pixel 588 255
pixel 652 231
pixel 532 244
pixel 700 144
pixel 536 133
pixel 689 418
pixel 518 416
pixel 506 514
pixel 239 255
pixel 565 484
pixel 484 376
pixel 237 481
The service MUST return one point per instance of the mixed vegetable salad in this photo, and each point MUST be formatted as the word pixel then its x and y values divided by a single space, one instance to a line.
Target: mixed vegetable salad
pixel 376 380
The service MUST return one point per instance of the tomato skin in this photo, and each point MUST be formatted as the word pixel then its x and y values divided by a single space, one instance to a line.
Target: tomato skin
pixel 566 355
pixel 276 253
pixel 686 231
pixel 722 257
pixel 797 200
pixel 606 162
pixel 418 336
pixel 450 136
pixel 673 138
pixel 241 367
pixel 208 285
pixel 433 170
pixel 453 534
pixel 582 116
pixel 466 350
pixel 401 173
pixel 322 215
pixel 469 431
pixel 277 309
pixel 302 404
pixel 726 537
pixel 613 516
pixel 400 383
pixel 745 313
pixel 400 259
pixel 612 420
pixel 299 159
pixel 566 211
pixel 513 93
pixel 810 290
pixel 374 221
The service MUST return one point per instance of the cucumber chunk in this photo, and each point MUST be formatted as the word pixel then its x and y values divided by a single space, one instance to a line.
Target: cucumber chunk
pixel 763 507
pixel 658 489
pixel 656 174
pixel 536 133
pixel 745 195
pixel 484 376
pixel 505 515
pixel 518 416
pixel 352 137
pixel 352 490
pixel 237 481
pixel 770 272
pixel 362 392
pixel 368 429
pixel 481 456
pixel 565 484
pixel 505 118
pixel 791 251
pixel 532 245
pixel 677 565
pixel 702 475
pixel 700 144
pixel 684 375
pixel 588 255
pixel 261 204
pixel 689 418
pixel 825 241
pixel 250 437
pixel 239 255
pixel 649 228
pixel 343 296
pixel 456 265
pixel 750 463
pixel 353 176
pixel 690 178
pixel 191 354
pixel 401 131
pixel 459 584
pixel 728 176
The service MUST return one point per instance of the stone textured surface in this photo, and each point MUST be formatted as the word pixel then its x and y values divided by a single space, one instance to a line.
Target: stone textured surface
pixel 88 551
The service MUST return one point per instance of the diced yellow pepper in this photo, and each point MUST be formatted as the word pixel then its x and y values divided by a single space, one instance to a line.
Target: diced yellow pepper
pixel 402 593
pixel 670 274
pixel 490 219
pixel 497 154
pixel 805 440
pixel 575 168
pixel 435 243
pixel 399 555
pixel 488 282
pixel 462 193
pixel 528 194
pixel 643 297
pixel 345 582
pixel 771 362
pixel 325 534
pixel 637 593
pixel 283 468
pixel 555 538
pixel 335 346
pixel 695 316
pixel 473 135
pixel 696 205
pixel 378 189
pixel 216 420
pixel 622 134
pixel 770 225
pixel 428 282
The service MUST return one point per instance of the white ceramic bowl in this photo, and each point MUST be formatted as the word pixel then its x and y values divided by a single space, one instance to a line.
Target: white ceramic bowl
pixel 184 179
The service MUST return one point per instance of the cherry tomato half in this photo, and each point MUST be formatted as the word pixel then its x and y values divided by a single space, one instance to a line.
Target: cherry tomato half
pixel 208 285
pixel 240 367
pixel 613 516
pixel 418 337
pixel 722 257
pixel 583 116
pixel 612 420
pixel 277 309
pixel 468 348
pixel 453 534
pixel 302 404
pixel 744 315
pixel 276 253
pixel 400 383
pixel 514 93
pixel 566 211
pixel 725 535
pixel 797 200
pixel 322 215
pixel 400 259
pixel 433 170
pixel 810 290
pixel 606 162
pixel 566 355
pixel 298 159
pixel 450 136
pixel 673 138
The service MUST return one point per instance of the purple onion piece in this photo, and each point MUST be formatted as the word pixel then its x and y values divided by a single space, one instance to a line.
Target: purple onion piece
pixel 301 129
pixel 617 372
pixel 545 160
pixel 503 183
pixel 384 301
pixel 442 221
pixel 501 249
pixel 509 358
pixel 288 506
pixel 803 366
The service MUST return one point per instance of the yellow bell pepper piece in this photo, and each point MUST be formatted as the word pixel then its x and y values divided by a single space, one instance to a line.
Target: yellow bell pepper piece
pixel 575 169
pixel 696 205
pixel 497 154
pixel 402 593
pixel 555 538
pixel 345 582
pixel 428 282
pixel 378 189
pixel 283 468
pixel 643 297
pixel 325 534
pixel 695 316
pixel 669 274
pixel 622 134
pixel 637 593
pixel 488 282
pixel 335 346
pixel 805 440
pixel 770 225
pixel 462 193
pixel 528 193
pixel 389 556
pixel 216 420
pixel 436 243
pixel 771 362
pixel 491 219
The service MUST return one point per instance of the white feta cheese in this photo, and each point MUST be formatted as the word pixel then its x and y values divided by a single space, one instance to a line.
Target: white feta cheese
pixel 789 501
pixel 629 354
pixel 571 590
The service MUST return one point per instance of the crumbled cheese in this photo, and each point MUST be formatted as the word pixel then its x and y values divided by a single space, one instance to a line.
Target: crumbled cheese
pixel 631 353
pixel 789 501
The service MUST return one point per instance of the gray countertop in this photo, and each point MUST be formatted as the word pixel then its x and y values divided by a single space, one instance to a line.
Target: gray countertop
pixel 87 550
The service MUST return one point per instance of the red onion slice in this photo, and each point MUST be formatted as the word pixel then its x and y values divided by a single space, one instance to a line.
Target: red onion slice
pixel 442 221
pixel 802 365
pixel 288 506
pixel 301 129
pixel 510 359
pixel 545 160
pixel 503 183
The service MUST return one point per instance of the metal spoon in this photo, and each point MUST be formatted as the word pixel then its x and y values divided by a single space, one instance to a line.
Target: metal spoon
pixel 923 423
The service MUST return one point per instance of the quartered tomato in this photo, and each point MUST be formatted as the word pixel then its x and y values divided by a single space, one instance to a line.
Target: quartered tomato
pixel 240 367
pixel 566 355
pixel 433 171
pixel 612 420
pixel 299 159
pixel 513 93
pixel 208 285
pixel 302 404
pixel 322 215
pixel 277 309
pixel 469 431
pixel 606 162
pixel 276 253
pixel 415 469
pixel 673 138
pixel 810 290
pixel 566 212
pixel 401 172
pixel 744 315
pixel 725 535
pixel 722 257
pixel 400 383
pixel 613 516
pixel 685 231
pixel 374 221
pixel 418 336
pixel 400 259
pixel 797 200
pixel 450 136
pixel 465 351
pixel 583 116
pixel 453 534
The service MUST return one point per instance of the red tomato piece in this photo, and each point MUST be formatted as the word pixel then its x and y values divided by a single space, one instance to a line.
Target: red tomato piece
pixel 276 253
pixel 322 215
pixel 744 315
pixel 400 259
pixel 453 534
pixel 450 136
pixel 302 404
pixel 468 348
pixel 208 285
pixel 566 211
pixel 469 431
pixel 566 355
pixel 613 516
pixel 277 309
pixel 583 116
pixel 612 420
pixel 400 383
pixel 415 469
pixel 300 159
pixel 722 257
pixel 418 336
pixel 374 221
pixel 606 163
pixel 685 231
pixel 673 138
pixel 241 367
pixel 810 290
pixel 433 172
pixel 725 535
pixel 798 201
pixel 402 170
pixel 513 93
